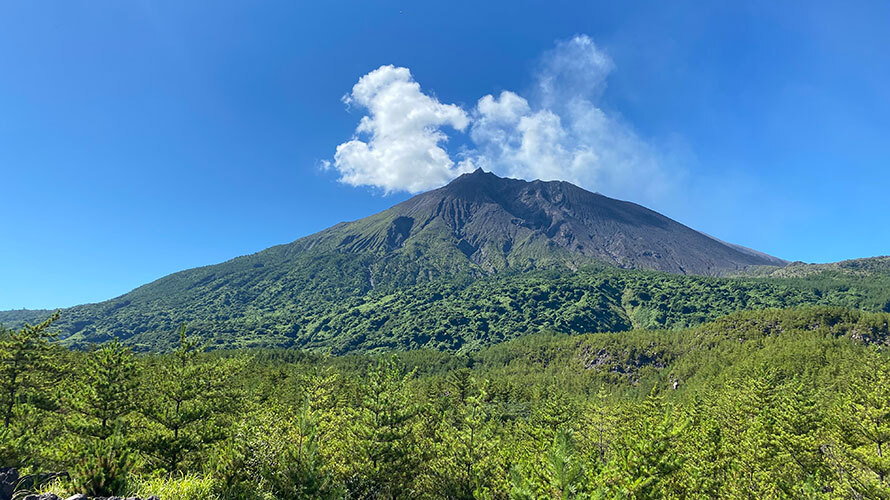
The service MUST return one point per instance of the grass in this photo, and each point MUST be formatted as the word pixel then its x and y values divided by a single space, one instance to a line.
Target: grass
pixel 184 487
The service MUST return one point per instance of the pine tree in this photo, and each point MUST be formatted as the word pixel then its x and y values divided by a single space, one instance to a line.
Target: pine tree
pixel 598 429
pixel 863 421
pixel 465 464
pixel 290 464
pixel 704 444
pixel 565 468
pixel 756 454
pixel 98 453
pixel 101 467
pixel 555 410
pixel 385 455
pixel 804 471
pixel 108 394
pixel 28 375
pixel 646 456
pixel 188 404
pixel 25 357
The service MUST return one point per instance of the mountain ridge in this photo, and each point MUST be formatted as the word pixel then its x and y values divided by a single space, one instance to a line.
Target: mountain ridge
pixel 478 225
pixel 491 218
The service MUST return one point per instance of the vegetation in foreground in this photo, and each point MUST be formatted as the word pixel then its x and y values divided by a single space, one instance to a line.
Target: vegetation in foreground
pixel 770 404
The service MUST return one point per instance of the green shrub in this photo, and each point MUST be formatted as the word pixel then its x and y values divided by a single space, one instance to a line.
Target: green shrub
pixel 102 468
pixel 183 487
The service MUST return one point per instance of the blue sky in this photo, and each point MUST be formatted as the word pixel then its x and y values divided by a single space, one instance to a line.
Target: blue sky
pixel 140 138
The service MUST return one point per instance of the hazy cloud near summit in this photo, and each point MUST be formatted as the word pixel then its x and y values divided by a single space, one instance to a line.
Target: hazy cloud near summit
pixel 557 132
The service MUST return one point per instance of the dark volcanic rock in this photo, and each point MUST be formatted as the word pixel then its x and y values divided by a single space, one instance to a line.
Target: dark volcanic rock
pixel 515 220
pixel 11 481
pixel 498 223
pixel 9 478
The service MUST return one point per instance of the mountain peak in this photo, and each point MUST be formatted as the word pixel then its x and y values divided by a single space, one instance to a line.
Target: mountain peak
pixel 485 223
pixel 474 176
pixel 472 185
pixel 488 180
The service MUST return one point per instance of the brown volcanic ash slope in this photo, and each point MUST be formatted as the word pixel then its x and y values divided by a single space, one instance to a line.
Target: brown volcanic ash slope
pixel 499 223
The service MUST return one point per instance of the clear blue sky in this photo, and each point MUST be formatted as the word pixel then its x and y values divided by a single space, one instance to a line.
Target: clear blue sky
pixel 139 138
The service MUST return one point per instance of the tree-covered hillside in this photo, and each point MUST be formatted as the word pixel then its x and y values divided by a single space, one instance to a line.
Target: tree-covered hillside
pixel 759 404
pixel 449 313
pixel 18 317
pixel 854 267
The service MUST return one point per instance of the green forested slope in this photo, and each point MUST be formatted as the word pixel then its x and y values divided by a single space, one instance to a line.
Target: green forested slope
pixel 18 317
pixel 453 314
pixel 597 300
pixel 862 268
pixel 790 403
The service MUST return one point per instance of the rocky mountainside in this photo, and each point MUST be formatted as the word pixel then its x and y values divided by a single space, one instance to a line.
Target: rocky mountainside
pixel 478 225
pixel 498 223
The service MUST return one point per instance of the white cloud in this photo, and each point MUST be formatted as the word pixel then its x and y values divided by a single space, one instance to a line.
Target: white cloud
pixel 558 133
pixel 509 108
pixel 402 148
pixel 575 68
pixel 563 135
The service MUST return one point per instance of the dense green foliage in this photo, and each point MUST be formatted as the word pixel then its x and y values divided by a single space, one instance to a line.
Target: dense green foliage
pixel 854 267
pixel 457 314
pixel 758 404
